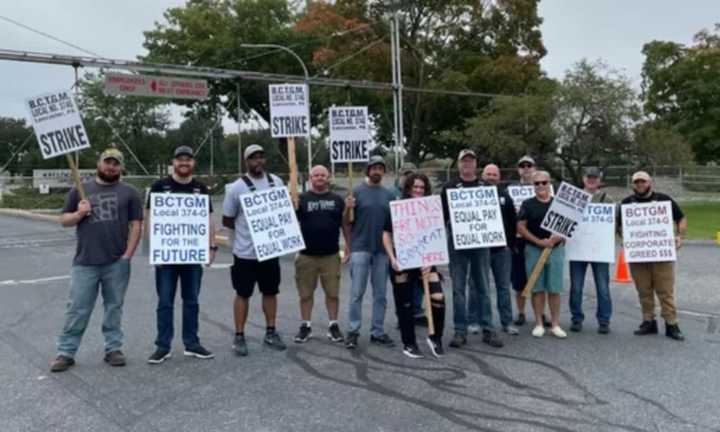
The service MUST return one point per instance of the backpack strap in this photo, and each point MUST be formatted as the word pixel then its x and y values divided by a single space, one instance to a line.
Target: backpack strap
pixel 249 183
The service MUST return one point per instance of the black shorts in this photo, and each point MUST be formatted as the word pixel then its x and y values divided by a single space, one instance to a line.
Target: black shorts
pixel 245 273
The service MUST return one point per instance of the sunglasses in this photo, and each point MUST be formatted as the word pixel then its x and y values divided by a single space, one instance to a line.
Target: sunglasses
pixel 640 181
pixel 525 165
pixel 541 183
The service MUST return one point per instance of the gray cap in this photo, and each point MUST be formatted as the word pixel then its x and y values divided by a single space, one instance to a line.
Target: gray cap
pixel 183 151
pixel 592 172
pixel 376 160
pixel 526 159
pixel 251 150
pixel 407 168
pixel 466 152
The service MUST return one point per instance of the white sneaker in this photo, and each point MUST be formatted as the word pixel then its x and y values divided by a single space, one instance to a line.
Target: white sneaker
pixel 538 331
pixel 511 330
pixel 558 332
pixel 474 329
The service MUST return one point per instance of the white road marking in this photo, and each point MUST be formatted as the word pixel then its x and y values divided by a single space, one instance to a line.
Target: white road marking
pixel 12 282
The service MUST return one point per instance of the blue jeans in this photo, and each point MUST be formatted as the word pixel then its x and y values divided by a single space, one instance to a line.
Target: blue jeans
pixel 500 261
pixel 166 279
pixel 477 261
pixel 111 280
pixel 374 265
pixel 601 274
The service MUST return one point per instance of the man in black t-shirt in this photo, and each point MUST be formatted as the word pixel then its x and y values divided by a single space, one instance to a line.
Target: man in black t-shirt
pixel 166 276
pixel 320 214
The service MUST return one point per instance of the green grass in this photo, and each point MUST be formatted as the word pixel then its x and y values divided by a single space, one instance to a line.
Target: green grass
pixel 703 219
pixel 29 199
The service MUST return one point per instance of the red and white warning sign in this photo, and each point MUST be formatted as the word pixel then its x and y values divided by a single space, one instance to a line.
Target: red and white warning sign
pixel 155 86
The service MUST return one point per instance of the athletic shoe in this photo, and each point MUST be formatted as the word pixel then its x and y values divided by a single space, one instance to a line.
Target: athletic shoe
pixel 673 332
pixel 62 363
pixel 558 332
pixel 199 351
pixel 382 340
pixel 511 330
pixel 412 351
pixel 538 331
pixel 458 340
pixel 304 334
pixel 352 340
pixel 240 346
pixel 435 346
pixel 334 333
pixel 647 328
pixel 491 338
pixel 474 328
pixel 159 356
pixel 115 358
pixel 603 328
pixel 520 320
pixel 576 327
pixel 272 340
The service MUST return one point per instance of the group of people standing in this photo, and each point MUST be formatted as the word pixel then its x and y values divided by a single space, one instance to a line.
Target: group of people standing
pixel 109 224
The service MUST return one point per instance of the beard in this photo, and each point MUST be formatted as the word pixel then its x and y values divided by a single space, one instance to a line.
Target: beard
pixel 375 178
pixel 108 178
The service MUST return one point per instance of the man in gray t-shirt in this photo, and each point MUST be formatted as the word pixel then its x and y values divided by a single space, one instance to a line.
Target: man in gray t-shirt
pixel 108 225
pixel 370 202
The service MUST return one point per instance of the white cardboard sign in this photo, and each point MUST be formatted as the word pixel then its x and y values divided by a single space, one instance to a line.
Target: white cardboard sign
pixel 594 239
pixel 349 135
pixel 648 232
pixel 566 211
pixel 56 120
pixel 272 222
pixel 419 232
pixel 519 193
pixel 475 217
pixel 179 228
pixel 289 110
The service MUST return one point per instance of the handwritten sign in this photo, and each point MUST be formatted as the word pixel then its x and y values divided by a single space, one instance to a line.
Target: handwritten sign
pixel 648 234
pixel 566 211
pixel 349 135
pixel 594 239
pixel 179 228
pixel 289 110
pixel 475 217
pixel 419 232
pixel 272 221
pixel 56 120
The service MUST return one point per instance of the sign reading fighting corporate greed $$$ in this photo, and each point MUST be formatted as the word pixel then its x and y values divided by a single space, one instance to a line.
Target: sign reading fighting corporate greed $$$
pixel 566 211
pixel 475 217
pixel 273 225
pixel 179 228
pixel 289 110
pixel 594 238
pixel 419 232
pixel 349 136
pixel 56 120
pixel 648 234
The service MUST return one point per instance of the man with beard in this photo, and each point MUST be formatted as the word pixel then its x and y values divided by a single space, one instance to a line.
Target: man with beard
pixel 656 278
pixel 367 254
pixel 190 275
pixel 108 225
pixel 247 270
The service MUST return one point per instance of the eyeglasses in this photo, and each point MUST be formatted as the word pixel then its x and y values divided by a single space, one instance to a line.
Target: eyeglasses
pixel 525 165
pixel 541 183
pixel 639 181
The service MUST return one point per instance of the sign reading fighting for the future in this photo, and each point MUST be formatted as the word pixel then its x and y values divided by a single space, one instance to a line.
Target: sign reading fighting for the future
pixel 179 228
pixel 419 232
pixel 475 217
pixel 57 124
pixel 648 234
pixel 566 211
pixel 156 86
pixel 349 135
pixel 289 110
pixel 273 225
pixel 594 239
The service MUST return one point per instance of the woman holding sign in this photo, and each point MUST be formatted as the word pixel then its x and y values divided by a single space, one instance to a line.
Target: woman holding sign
pixel 406 282
pixel 550 281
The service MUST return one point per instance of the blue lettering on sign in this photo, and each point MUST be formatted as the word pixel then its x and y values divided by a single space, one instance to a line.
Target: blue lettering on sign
pixel 262 198
pixel 171 200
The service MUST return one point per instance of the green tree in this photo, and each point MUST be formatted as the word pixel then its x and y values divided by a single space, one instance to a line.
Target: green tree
pixel 14 137
pixel 656 144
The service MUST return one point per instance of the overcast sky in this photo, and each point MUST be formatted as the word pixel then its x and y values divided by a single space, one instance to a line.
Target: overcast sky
pixel 614 30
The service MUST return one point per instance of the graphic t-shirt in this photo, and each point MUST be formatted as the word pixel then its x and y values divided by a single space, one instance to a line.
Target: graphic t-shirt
pixel 320 218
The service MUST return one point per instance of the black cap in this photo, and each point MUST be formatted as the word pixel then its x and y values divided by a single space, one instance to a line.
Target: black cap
pixel 376 160
pixel 593 172
pixel 183 151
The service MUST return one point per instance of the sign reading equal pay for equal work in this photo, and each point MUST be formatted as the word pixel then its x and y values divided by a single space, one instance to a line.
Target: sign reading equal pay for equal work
pixel 57 124
pixel 289 110
pixel 179 228
pixel 475 217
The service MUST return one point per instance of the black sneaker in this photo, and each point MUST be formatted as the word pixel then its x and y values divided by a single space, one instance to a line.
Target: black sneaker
pixel 304 334
pixel 240 346
pixel 458 340
pixel 382 340
pixel 673 332
pixel 199 352
pixel 115 358
pixel 435 345
pixel 62 363
pixel 272 339
pixel 520 320
pixel 576 327
pixel 603 328
pixel 491 338
pixel 159 356
pixel 647 328
pixel 546 322
pixel 412 351
pixel 352 340
pixel 334 333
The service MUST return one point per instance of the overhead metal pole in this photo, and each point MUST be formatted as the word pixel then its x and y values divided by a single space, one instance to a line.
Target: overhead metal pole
pixel 240 158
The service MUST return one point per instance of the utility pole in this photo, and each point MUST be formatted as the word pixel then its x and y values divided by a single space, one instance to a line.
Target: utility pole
pixel 240 158
pixel 397 86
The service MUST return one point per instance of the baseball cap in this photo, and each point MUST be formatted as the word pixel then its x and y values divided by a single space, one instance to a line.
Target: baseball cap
pixel 593 172
pixel 376 160
pixel 466 152
pixel 183 151
pixel 526 159
pixel 113 153
pixel 641 175
pixel 251 150
pixel 407 168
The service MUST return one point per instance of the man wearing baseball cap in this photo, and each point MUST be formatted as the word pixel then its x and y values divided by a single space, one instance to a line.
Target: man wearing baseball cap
pixel 108 224
pixel 656 278
pixel 181 181
pixel 247 271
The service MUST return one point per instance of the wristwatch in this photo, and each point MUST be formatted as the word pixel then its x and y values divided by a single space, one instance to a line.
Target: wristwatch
pixel 214 248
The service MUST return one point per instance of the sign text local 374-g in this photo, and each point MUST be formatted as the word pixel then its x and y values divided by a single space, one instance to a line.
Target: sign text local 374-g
pixel 56 120
pixel 349 135
pixel 179 228
pixel 289 110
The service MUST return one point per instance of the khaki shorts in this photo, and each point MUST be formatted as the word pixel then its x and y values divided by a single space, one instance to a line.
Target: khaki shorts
pixel 308 269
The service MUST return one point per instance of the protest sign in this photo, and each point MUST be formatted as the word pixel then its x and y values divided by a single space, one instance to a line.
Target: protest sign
pixel 59 178
pixel 594 238
pixel 349 135
pixel 179 228
pixel 648 234
pixel 519 193
pixel 419 232
pixel 272 221
pixel 56 120
pixel 155 86
pixel 566 211
pixel 289 110
pixel 475 217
